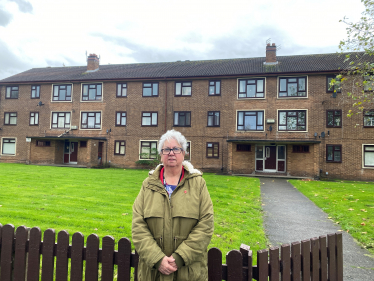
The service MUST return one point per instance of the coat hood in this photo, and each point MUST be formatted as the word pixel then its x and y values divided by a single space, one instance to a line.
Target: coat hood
pixel 186 165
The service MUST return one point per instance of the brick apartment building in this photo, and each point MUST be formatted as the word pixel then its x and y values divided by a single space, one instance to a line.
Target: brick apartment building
pixel 242 116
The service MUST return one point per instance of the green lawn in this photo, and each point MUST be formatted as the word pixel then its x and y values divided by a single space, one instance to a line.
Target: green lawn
pixel 100 201
pixel 348 203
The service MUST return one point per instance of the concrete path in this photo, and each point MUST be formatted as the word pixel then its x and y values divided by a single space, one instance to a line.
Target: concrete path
pixel 290 217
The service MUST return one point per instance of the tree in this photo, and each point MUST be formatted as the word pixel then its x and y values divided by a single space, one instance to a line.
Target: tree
pixel 358 48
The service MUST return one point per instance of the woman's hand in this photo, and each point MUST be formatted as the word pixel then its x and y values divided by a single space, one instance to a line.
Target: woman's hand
pixel 168 265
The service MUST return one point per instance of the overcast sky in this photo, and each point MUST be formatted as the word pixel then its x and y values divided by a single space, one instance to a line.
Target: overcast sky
pixel 41 33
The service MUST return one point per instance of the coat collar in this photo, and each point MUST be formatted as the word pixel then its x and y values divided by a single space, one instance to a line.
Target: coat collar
pixel 186 165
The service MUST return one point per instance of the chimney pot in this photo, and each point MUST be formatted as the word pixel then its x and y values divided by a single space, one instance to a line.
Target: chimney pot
pixel 273 44
pixel 93 62
pixel 268 44
pixel 271 53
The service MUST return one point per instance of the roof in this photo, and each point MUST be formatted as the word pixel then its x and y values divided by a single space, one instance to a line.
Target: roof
pixel 187 69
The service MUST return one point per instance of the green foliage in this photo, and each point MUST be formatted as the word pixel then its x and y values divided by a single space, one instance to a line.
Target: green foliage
pixel 145 160
pixel 358 78
pixel 348 203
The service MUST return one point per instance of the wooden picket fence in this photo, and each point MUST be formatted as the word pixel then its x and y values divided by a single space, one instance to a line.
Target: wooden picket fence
pixel 315 259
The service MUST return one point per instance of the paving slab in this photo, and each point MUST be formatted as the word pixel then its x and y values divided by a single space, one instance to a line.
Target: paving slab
pixel 290 216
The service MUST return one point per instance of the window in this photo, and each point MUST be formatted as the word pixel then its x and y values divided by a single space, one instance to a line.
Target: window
pixel 333 118
pixel 121 90
pixel 43 143
pixel 369 118
pixel 9 146
pixel 292 87
pixel 250 121
pixel 368 156
pixel 149 118
pixel 300 148
pixel 60 120
pixel 243 147
pixel 183 88
pixel 294 120
pixel 91 92
pixel 119 147
pixel 91 120
pixel 150 89
pixel 214 88
pixel 148 150
pixel 182 118
pixel 34 118
pixel 336 88
pixel 251 88
pixel 11 92
pixel 10 118
pixel 212 150
pixel 187 156
pixel 83 143
pixel 368 83
pixel 213 118
pixel 120 118
pixel 333 153
pixel 62 92
pixel 35 92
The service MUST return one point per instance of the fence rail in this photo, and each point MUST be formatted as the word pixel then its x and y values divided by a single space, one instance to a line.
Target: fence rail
pixel 24 256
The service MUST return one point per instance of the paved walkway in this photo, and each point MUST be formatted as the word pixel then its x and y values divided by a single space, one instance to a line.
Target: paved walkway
pixel 290 217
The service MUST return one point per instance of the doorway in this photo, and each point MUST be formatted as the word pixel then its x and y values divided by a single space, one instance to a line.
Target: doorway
pixel 70 152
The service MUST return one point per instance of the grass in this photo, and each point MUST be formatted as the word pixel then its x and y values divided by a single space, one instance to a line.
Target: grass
pixel 100 201
pixel 348 203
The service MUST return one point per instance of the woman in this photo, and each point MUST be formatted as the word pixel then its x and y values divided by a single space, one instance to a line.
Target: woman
pixel 173 217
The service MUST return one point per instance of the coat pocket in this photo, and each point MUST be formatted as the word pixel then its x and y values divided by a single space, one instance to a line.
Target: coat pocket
pixel 194 272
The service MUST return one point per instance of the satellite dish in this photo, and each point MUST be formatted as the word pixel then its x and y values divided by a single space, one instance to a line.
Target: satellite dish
pixel 40 103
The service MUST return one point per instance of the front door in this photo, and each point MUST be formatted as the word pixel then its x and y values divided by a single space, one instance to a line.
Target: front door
pixel 100 153
pixel 70 152
pixel 270 158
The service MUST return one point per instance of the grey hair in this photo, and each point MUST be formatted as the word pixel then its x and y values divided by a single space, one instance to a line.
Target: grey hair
pixel 175 135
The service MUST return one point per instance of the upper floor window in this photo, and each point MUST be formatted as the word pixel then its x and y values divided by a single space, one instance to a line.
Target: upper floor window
pixel 121 90
pixel 9 146
pixel 148 150
pixel 187 155
pixel 60 120
pixel 62 92
pixel 369 118
pixel 368 83
pixel 250 121
pixel 334 153
pixel 212 150
pixel 120 118
pixel 300 148
pixel 214 88
pixel 182 118
pixel 292 120
pixel 252 88
pixel 333 118
pixel 368 151
pixel 11 92
pixel 34 118
pixel 150 89
pixel 35 92
pixel 213 118
pixel 91 92
pixel 91 120
pixel 149 118
pixel 335 88
pixel 183 88
pixel 292 87
pixel 119 147
pixel 10 118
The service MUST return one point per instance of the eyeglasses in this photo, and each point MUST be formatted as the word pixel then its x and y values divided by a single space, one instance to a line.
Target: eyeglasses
pixel 167 151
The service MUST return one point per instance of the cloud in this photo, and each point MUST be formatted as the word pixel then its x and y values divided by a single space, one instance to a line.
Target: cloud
pixel 24 6
pixel 5 18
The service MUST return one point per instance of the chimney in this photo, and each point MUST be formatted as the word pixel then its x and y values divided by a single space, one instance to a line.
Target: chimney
pixel 92 62
pixel 271 53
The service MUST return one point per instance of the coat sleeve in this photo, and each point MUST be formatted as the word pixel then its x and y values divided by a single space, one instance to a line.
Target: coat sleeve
pixel 145 244
pixel 193 248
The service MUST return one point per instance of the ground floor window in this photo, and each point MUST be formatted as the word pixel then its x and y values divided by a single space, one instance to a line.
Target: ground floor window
pixel 187 156
pixel 300 148
pixel 43 143
pixel 9 146
pixel 243 147
pixel 368 155
pixel 148 150
pixel 119 147
pixel 212 150
pixel 334 153
pixel 83 143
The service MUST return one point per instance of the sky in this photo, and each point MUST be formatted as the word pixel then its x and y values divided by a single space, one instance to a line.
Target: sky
pixel 41 33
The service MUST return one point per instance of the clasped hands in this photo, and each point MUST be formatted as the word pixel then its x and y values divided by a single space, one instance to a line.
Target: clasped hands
pixel 168 265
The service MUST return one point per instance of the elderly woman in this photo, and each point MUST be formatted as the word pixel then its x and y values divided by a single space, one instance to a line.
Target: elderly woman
pixel 172 217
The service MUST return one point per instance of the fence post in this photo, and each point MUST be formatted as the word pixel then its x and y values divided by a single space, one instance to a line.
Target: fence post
pixel 285 262
pixel 315 258
pixel 331 257
pixel 214 264
pixel 295 261
pixel 108 258
pixel 339 256
pixel 33 260
pixel 274 264
pixel 247 260
pixel 305 259
pixel 62 256
pixel 262 265
pixel 234 263
pixel 124 259
pixel 92 258
pixel 20 254
pixel 48 255
pixel 323 258
pixel 6 252
pixel 77 246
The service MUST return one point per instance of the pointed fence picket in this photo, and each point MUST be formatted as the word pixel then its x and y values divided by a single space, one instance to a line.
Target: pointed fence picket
pixel 23 256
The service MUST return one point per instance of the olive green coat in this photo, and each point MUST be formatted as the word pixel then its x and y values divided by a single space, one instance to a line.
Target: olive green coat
pixel 181 226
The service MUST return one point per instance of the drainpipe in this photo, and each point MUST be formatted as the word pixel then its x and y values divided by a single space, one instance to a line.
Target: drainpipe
pixel 166 102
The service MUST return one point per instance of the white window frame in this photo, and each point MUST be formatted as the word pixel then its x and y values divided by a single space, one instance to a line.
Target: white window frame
pixel 50 123
pixel 102 92
pixel 60 84
pixel 249 78
pixel 15 146
pixel 140 148
pixel 252 131
pixel 298 76
pixel 90 111
pixel 363 156
pixel 306 120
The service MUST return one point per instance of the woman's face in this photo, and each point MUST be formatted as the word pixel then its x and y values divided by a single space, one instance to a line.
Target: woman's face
pixel 172 159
